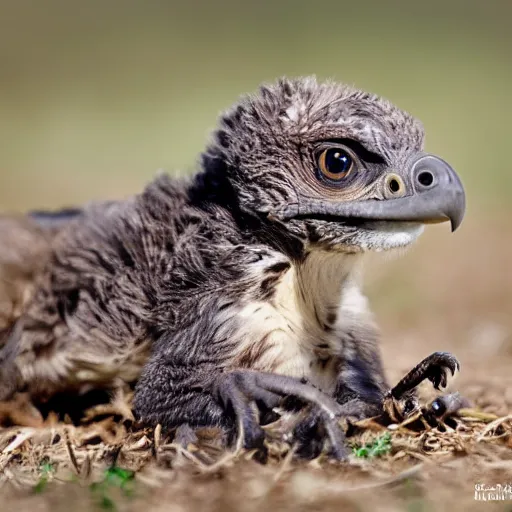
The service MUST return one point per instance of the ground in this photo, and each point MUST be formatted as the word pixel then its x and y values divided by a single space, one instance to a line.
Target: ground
pixel 451 292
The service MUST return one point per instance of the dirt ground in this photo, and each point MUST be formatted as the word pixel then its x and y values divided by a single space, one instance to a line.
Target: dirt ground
pixel 451 292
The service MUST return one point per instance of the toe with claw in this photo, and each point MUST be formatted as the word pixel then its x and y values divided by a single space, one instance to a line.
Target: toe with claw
pixel 246 392
pixel 435 368
pixel 401 403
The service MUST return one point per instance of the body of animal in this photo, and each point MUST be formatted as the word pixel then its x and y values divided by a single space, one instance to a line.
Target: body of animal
pixel 221 294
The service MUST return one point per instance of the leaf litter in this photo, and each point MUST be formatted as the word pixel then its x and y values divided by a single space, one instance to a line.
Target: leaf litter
pixel 117 464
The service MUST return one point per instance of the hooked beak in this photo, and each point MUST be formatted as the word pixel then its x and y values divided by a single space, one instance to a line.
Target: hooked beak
pixel 436 195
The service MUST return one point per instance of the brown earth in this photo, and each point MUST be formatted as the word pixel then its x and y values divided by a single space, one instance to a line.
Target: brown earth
pixel 449 293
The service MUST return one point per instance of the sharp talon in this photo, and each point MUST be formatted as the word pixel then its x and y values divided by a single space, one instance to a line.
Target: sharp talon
pixel 245 392
pixel 339 454
pixel 315 430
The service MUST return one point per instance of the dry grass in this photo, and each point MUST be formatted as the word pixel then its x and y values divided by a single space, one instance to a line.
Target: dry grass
pixel 57 462
pixel 56 465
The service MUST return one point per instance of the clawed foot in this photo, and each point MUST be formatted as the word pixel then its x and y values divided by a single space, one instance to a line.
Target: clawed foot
pixel 435 368
pixel 401 402
pixel 311 431
pixel 247 392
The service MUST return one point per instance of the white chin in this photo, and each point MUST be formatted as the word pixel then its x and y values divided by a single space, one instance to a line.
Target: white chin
pixel 386 235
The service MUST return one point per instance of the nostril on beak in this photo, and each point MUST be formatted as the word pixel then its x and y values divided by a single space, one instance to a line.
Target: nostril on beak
pixel 394 186
pixel 425 179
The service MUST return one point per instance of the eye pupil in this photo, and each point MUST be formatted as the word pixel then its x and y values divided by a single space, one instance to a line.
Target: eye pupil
pixel 337 161
pixel 335 164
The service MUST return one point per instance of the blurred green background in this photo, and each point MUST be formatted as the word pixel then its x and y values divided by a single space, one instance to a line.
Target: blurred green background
pixel 95 96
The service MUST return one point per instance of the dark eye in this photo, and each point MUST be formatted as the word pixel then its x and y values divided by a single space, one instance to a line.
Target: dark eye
pixel 335 163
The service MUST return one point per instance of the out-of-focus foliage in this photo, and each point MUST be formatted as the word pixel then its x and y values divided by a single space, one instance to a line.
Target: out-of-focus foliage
pixel 96 96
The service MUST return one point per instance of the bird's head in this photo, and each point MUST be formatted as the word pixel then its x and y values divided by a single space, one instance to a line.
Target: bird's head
pixel 337 167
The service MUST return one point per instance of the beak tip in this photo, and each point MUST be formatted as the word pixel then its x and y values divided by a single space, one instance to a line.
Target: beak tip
pixel 458 215
pixel 455 222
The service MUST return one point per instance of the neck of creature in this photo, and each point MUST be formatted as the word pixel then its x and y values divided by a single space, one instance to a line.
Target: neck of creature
pixel 327 283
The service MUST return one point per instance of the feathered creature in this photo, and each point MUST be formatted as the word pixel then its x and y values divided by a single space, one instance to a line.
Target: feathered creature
pixel 221 294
